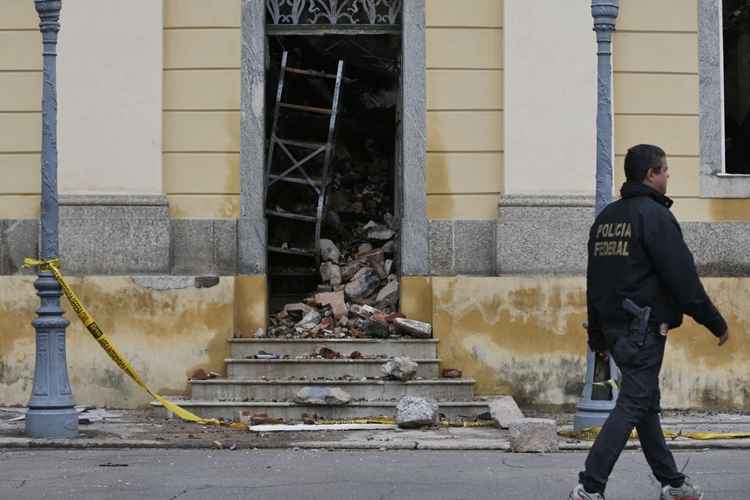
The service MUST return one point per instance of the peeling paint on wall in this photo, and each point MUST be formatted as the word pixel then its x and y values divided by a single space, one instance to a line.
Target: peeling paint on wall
pixel 166 335
pixel 523 336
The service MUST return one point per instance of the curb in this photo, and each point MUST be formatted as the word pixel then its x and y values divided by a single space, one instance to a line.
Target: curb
pixel 457 445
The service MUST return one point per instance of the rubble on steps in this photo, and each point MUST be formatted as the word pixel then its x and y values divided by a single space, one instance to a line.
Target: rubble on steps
pixel 358 299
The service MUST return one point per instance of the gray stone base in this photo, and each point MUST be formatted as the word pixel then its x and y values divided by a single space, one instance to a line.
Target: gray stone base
pixel 204 246
pixel 251 245
pixel 543 235
pixel 114 234
pixel 18 239
pixel 463 247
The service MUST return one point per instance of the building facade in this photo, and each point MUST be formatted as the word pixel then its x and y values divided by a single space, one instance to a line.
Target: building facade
pixel 162 140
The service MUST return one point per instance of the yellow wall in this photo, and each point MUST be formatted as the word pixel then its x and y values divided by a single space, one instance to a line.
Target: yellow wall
pixel 657 99
pixel 166 335
pixel 20 110
pixel 202 107
pixel 464 109
pixel 523 336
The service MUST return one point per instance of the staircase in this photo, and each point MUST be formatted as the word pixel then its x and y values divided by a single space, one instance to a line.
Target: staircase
pixel 257 386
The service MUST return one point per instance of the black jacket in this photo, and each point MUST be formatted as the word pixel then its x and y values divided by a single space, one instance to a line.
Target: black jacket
pixel 636 250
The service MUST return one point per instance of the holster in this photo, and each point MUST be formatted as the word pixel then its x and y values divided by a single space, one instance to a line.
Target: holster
pixel 638 327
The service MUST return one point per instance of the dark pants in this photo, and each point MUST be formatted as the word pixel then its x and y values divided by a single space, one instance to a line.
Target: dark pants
pixel 637 407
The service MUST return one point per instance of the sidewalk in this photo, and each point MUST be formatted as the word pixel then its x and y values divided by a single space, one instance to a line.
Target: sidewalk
pixel 136 429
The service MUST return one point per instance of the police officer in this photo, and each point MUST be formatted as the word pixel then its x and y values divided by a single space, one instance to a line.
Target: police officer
pixel 636 251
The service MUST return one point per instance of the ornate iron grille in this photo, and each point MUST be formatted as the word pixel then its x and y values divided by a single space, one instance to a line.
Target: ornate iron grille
pixel 333 12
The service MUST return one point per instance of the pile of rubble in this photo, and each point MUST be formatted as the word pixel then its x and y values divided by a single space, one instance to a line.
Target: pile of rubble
pixel 358 297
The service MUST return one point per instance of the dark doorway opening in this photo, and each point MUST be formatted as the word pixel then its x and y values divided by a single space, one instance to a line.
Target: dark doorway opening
pixel 360 210
pixel 737 85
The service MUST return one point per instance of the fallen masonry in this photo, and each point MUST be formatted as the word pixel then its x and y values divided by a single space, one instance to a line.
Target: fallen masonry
pixel 413 412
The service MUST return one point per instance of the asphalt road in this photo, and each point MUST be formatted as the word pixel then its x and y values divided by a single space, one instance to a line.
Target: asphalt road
pixel 288 474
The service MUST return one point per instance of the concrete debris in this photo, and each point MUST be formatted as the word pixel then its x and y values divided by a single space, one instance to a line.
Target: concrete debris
pixel 504 410
pixel 310 320
pixel 377 329
pixel 400 368
pixel 330 273
pixel 326 353
pixel 322 396
pixel 416 329
pixel 336 300
pixel 533 435
pixel 329 251
pixel 452 373
pixel 266 355
pixel 388 295
pixel 249 419
pixel 413 412
pixel 363 284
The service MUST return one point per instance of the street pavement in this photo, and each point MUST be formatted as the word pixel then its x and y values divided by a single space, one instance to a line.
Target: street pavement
pixel 331 475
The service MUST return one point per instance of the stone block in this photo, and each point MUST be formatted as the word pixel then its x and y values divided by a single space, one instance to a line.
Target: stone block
pixel 192 246
pixel 543 235
pixel 719 248
pixel 400 368
pixel 203 246
pixel 441 247
pixel 475 247
pixel 533 435
pixel 251 245
pixel 114 234
pixel 322 396
pixel 504 410
pixel 413 412
pixel 225 247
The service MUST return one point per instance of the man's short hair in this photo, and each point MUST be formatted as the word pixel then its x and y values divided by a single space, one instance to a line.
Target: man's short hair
pixel 640 159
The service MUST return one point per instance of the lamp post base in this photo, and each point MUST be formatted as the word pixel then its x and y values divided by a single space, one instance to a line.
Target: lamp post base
pixel 52 423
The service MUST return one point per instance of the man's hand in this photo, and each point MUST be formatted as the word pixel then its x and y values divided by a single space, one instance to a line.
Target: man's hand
pixel 723 339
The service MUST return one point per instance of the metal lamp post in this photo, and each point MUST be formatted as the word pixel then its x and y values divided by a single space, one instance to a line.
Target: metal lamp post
pixel 51 410
pixel 593 412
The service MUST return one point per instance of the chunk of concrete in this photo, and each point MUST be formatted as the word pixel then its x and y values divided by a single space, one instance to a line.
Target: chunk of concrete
pixel 376 329
pixel 400 368
pixel 363 284
pixel 388 296
pixel 413 412
pixel 504 410
pixel 330 273
pixel 322 396
pixel 329 252
pixel 416 329
pixel 533 435
pixel 334 299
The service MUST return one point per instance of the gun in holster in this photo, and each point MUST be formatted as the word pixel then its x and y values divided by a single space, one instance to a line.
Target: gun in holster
pixel 639 324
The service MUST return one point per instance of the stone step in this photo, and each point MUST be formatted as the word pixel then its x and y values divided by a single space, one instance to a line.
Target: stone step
pixel 370 390
pixel 294 412
pixel 279 369
pixel 413 348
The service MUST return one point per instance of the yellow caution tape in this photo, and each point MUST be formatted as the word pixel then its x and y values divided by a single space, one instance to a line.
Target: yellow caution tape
pixel 53 266
pixel 392 421
pixel 591 433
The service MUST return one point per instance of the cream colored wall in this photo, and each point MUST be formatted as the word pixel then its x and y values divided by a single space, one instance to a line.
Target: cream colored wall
pixel 20 110
pixel 657 99
pixel 464 108
pixel 110 80
pixel 550 91
pixel 202 107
